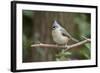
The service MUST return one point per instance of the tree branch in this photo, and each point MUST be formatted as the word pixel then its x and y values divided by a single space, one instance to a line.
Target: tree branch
pixel 66 47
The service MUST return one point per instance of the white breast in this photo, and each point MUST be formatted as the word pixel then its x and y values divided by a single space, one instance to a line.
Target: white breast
pixel 58 37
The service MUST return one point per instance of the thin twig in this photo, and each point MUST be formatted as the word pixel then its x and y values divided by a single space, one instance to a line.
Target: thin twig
pixel 66 47
pixel 47 45
pixel 78 44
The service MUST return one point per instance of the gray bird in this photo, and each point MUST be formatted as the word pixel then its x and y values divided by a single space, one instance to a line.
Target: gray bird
pixel 60 35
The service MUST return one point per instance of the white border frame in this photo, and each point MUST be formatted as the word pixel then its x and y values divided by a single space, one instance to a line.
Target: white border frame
pixel 22 66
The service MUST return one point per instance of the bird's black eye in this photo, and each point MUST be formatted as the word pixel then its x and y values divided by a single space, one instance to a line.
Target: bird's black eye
pixel 53 27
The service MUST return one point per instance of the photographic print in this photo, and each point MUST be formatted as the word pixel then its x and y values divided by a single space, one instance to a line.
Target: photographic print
pixel 48 36
pixel 45 27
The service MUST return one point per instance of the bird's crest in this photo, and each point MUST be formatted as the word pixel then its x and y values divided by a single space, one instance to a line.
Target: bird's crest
pixel 55 25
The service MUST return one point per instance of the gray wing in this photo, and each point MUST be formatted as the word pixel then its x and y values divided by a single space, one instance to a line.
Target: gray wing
pixel 64 32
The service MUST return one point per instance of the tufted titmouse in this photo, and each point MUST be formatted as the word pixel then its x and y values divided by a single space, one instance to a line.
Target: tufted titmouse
pixel 60 35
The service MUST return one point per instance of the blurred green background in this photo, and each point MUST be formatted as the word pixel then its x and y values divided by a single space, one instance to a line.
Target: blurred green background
pixel 37 27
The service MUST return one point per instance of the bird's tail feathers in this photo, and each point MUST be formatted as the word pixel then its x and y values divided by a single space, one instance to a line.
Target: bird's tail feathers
pixel 74 39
